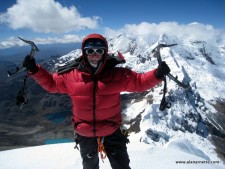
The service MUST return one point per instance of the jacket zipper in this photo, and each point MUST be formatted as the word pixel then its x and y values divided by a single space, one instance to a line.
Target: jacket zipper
pixel 94 105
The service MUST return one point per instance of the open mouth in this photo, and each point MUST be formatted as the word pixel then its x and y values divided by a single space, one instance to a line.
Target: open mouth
pixel 94 63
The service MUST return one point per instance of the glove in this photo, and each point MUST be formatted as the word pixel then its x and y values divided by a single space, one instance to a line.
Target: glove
pixel 30 64
pixel 162 70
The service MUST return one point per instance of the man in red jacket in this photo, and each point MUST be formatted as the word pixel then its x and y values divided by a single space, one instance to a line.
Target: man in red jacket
pixel 94 87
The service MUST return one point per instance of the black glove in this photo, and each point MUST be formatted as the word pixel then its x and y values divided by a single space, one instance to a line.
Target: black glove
pixel 163 69
pixel 30 64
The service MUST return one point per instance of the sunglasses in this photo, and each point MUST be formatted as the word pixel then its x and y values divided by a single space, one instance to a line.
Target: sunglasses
pixel 92 51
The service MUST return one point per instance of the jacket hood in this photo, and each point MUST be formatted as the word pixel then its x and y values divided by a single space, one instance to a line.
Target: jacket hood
pixel 103 62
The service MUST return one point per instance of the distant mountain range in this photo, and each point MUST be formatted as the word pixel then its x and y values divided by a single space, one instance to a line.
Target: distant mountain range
pixel 197 114
pixel 16 54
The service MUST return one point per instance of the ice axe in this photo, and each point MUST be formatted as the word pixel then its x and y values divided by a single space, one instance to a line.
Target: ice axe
pixel 34 49
pixel 21 97
pixel 156 53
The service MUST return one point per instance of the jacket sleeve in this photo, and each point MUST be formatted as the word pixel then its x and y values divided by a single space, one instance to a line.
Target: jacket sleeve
pixel 137 82
pixel 53 83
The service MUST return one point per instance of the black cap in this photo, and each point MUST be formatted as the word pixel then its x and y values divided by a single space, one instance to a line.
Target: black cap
pixel 94 43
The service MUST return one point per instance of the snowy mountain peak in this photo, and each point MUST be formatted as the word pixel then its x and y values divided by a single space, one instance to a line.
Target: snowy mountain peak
pixel 162 39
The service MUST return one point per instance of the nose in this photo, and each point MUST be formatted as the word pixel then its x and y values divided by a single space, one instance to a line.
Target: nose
pixel 95 56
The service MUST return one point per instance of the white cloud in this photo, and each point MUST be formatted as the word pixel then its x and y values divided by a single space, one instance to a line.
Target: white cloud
pixel 65 39
pixel 8 43
pixel 150 31
pixel 14 41
pixel 46 16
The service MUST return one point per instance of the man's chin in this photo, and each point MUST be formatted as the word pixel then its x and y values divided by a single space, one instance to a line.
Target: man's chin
pixel 94 65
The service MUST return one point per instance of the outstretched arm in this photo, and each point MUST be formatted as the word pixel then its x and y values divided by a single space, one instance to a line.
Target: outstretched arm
pixel 136 82
pixel 53 83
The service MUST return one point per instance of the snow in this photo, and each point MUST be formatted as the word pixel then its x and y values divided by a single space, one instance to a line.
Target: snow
pixel 135 108
pixel 142 156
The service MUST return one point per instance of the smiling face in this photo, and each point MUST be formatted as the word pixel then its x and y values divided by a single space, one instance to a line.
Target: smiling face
pixel 94 55
pixel 94 52
pixel 94 59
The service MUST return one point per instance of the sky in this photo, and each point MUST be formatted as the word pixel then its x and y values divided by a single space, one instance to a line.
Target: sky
pixel 49 21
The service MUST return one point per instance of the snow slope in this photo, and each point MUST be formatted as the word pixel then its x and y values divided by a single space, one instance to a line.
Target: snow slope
pixel 177 153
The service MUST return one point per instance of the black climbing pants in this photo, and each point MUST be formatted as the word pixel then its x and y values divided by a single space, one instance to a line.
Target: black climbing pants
pixel 115 147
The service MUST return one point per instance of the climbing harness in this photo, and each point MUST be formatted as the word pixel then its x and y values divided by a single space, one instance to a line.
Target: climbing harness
pixel 101 148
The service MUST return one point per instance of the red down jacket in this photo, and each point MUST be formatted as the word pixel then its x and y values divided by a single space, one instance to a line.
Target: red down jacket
pixel 96 97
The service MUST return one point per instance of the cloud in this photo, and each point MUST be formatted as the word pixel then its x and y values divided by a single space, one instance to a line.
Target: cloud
pixel 46 16
pixel 65 39
pixel 14 41
pixel 152 31
pixel 10 42
pixel 148 32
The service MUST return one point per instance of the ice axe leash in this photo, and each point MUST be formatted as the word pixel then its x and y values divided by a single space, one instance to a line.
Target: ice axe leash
pixel 21 97
pixel 156 53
